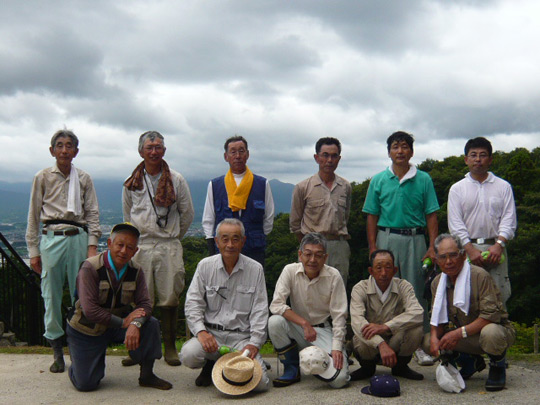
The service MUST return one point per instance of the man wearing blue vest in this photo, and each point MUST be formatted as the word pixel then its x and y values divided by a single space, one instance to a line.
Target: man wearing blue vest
pixel 243 195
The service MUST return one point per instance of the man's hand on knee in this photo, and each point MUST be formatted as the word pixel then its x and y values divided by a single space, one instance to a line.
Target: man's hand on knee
pixel 207 341
pixel 388 356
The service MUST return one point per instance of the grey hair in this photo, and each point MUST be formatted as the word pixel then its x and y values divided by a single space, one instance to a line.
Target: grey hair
pixel 231 221
pixel 116 233
pixel 64 133
pixel 444 236
pixel 313 238
pixel 151 135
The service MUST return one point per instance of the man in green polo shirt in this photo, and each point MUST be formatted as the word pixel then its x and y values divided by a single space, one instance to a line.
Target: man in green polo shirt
pixel 400 203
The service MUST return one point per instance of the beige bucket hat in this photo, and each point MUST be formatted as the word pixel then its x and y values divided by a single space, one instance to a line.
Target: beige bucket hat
pixel 234 374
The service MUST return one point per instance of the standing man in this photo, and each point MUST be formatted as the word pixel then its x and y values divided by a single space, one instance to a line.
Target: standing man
pixel 113 306
pixel 64 200
pixel 387 320
pixel 400 203
pixel 316 316
pixel 243 195
pixel 322 204
pixel 226 305
pixel 157 200
pixel 468 315
pixel 482 212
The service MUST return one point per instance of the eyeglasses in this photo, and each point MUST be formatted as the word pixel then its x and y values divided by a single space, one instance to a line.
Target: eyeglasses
pixel 235 152
pixel 327 156
pixel 157 148
pixel 318 256
pixel 67 146
pixel 480 156
pixel 451 256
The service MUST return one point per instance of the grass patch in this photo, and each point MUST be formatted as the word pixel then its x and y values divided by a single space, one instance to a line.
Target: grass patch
pixel 113 350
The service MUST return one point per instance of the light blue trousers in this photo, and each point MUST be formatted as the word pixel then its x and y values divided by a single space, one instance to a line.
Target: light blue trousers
pixel 61 256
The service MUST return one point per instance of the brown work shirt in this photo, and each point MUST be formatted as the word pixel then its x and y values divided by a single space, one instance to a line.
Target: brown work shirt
pixel 316 208
pixel 401 310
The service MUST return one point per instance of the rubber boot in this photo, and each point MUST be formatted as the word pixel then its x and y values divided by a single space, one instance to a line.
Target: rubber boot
pixel 497 373
pixel 58 365
pixel 366 370
pixel 290 359
pixel 205 378
pixel 147 377
pixel 401 369
pixel 470 364
pixel 169 317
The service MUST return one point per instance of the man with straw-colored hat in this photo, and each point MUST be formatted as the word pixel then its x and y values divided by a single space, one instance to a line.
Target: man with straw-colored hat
pixel 226 305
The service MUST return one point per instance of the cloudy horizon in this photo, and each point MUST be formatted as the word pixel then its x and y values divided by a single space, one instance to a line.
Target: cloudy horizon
pixel 282 74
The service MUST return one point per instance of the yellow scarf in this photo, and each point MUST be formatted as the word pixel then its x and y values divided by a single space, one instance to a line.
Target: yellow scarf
pixel 238 195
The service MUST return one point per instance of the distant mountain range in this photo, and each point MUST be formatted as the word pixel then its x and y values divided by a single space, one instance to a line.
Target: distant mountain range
pixel 14 198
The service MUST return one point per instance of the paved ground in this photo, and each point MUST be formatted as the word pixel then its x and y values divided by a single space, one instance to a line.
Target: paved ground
pixel 25 379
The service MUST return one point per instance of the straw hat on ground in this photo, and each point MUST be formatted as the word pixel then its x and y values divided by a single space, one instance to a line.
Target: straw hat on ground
pixel 234 374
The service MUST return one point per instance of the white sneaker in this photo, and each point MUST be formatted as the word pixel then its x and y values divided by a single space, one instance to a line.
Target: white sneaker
pixel 423 358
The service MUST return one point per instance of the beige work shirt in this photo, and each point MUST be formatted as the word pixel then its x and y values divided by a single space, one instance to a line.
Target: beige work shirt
pixel 316 208
pixel 485 301
pixel 401 310
pixel 48 201
pixel 314 300
pixel 138 210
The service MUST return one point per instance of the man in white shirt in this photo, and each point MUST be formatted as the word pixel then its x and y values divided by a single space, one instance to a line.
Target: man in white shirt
pixel 226 305
pixel 482 212
pixel 243 195
pixel 317 313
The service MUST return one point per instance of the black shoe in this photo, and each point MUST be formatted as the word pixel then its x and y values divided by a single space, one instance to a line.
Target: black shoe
pixel 470 364
pixel 205 378
pixel 366 370
pixel 497 375
pixel 401 369
pixel 128 362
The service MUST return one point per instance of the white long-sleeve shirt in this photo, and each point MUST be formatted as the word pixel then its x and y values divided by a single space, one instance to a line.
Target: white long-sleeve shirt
pixel 482 210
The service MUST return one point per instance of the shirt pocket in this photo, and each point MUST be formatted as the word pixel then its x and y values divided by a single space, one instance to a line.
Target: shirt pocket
pixel 243 298
pixel 104 289
pixel 316 210
pixel 212 297
pixel 128 292
pixel 495 207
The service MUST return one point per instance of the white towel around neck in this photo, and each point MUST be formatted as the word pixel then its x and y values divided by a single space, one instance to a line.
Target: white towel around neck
pixel 462 296
pixel 74 192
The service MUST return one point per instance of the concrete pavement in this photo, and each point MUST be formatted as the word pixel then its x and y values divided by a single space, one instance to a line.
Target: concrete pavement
pixel 25 379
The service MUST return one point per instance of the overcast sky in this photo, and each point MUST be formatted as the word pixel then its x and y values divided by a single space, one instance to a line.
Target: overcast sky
pixel 280 73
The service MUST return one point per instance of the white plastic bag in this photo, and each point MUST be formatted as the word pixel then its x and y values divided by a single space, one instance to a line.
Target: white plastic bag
pixel 449 379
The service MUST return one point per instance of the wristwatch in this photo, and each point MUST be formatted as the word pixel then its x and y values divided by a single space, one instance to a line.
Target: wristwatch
pixel 136 323
pixel 501 242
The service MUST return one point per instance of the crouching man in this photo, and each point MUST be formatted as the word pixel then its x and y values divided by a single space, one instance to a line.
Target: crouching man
pixel 316 316
pixel 112 305
pixel 386 319
pixel 226 305
pixel 468 317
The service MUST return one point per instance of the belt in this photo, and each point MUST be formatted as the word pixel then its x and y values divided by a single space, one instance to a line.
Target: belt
pixel 482 241
pixel 404 231
pixel 68 232
pixel 220 327
pixel 319 325
pixel 334 237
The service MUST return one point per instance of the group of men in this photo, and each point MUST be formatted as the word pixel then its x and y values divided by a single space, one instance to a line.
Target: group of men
pixel 113 293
